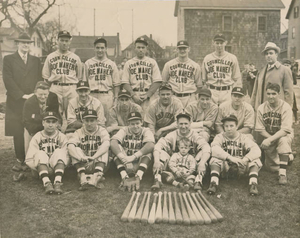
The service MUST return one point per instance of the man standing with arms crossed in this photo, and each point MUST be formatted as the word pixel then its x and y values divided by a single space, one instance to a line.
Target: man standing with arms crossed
pixel 221 71
pixel 63 69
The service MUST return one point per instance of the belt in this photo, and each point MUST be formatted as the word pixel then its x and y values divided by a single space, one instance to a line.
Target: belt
pixel 182 94
pixel 97 91
pixel 139 90
pixel 223 88
pixel 64 84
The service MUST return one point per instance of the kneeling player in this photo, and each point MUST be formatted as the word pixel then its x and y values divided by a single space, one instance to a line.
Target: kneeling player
pixel 88 147
pixel 47 152
pixel 233 151
pixel 133 146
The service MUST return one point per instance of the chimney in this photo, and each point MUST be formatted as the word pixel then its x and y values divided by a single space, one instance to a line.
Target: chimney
pixel 151 36
pixel 118 44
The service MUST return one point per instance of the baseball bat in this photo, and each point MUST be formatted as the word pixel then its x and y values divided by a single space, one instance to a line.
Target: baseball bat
pixel 172 219
pixel 189 183
pixel 146 209
pixel 206 217
pixel 212 208
pixel 151 218
pixel 138 216
pixel 192 215
pixel 165 217
pixel 208 211
pixel 178 215
pixel 125 214
pixel 185 216
pixel 134 207
pixel 158 214
pixel 195 209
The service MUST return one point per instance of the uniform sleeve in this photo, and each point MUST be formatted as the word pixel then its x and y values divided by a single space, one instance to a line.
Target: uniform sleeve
pixel 113 121
pixel 165 73
pixel 33 147
pixel 115 76
pixel 104 135
pixel 173 163
pixel 150 116
pixel 249 117
pixel 202 144
pixel 71 116
pixel 216 148
pixel 192 164
pixel 148 136
pixel 119 136
pixel 75 138
pixel 156 77
pixel 252 149
pixel 100 115
pixel 236 73
pixel 288 86
pixel 80 69
pixel 46 72
pixel 198 80
pixel 212 114
pixel 287 119
pixel 64 141
pixel 259 123
pixel 126 74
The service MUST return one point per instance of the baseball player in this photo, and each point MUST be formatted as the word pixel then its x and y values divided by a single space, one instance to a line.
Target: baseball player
pixel 274 121
pixel 103 76
pixel 80 104
pixel 221 71
pixel 133 147
pixel 160 116
pixel 183 74
pixel 238 107
pixel 88 148
pixel 63 69
pixel 168 145
pixel 47 153
pixel 234 152
pixel 120 112
pixel 203 113
pixel 141 76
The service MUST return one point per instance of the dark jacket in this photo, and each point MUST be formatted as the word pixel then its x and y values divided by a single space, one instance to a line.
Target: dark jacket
pixel 32 117
pixel 19 79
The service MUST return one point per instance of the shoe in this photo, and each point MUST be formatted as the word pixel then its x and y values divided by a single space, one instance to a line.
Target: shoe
pixel 19 177
pixel 167 177
pixel 212 188
pixel 156 186
pixel 198 186
pixel 253 189
pixel 186 187
pixel 282 180
pixel 49 188
pixel 57 188
pixel 17 168
pixel 98 180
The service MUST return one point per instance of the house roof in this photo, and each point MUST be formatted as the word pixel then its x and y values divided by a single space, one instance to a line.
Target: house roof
pixel 88 41
pixel 6 31
pixel 290 9
pixel 230 4
pixel 149 40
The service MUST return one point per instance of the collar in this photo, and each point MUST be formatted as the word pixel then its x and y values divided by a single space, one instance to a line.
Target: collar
pixel 275 65
pixel 21 54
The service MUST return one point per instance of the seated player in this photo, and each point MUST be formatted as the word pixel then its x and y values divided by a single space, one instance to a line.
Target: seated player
pixel 80 104
pixel 182 165
pixel 204 113
pixel 234 152
pixel 88 147
pixel 119 113
pixel 238 107
pixel 133 147
pixel 168 145
pixel 47 153
pixel 160 116
pixel 274 121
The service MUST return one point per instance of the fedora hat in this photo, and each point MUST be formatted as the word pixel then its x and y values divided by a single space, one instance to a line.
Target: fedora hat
pixel 271 46
pixel 24 37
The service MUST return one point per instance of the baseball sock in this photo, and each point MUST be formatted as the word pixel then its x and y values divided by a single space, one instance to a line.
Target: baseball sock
pixel 215 177
pixel 284 159
pixel 122 171
pixel 253 177
pixel 44 176
pixel 58 175
pixel 158 177
pixel 99 167
pixel 141 170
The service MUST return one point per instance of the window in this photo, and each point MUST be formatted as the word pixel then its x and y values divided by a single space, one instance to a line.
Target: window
pixel 227 23
pixel 293 33
pixel 262 23
pixel 296 12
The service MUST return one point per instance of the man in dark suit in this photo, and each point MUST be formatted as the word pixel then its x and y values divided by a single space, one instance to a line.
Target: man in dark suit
pixel 21 71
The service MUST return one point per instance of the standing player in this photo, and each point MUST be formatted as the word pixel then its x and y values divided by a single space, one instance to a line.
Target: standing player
pixel 203 113
pixel 183 74
pixel 274 121
pixel 63 69
pixel 133 147
pixel 141 76
pixel 103 76
pixel 221 71
pixel 89 147
pixel 160 116
pixel 238 107
pixel 232 150
pixel 47 153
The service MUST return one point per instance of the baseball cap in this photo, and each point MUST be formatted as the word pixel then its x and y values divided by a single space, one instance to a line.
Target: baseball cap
pixel 42 85
pixel 141 40
pixel 82 85
pixel 90 114
pixel 100 40
pixel 64 34
pixel 182 43
pixel 230 118
pixel 134 116
pixel 183 114
pixel 50 115
pixel 124 93
pixel 205 92
pixel 219 37
pixel 286 61
pixel 166 86
pixel 238 90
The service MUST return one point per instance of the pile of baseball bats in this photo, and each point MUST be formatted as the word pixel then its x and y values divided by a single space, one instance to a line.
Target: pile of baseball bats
pixel 190 209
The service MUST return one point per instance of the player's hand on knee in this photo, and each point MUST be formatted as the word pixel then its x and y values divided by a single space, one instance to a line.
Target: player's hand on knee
pixel 265 144
pixel 201 167
pixel 130 159
pixel 178 174
pixel 157 167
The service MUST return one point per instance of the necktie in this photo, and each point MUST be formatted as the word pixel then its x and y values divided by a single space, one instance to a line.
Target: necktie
pixel 24 59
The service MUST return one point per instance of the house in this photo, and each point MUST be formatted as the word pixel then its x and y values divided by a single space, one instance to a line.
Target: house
pixel 170 52
pixel 294 30
pixel 247 25
pixel 283 44
pixel 83 46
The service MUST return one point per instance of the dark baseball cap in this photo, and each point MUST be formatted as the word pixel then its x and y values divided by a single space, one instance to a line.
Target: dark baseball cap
pixel 182 44
pixel 42 85
pixel 184 114
pixel 165 86
pixel 82 85
pixel 100 40
pixel 230 118
pixel 238 90
pixel 50 115
pixel 124 93
pixel 141 40
pixel 219 37
pixel 64 34
pixel 205 92
pixel 90 114
pixel 134 116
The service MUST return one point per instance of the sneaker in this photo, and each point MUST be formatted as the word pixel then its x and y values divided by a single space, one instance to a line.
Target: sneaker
pixel 49 188
pixel 212 188
pixel 167 177
pixel 282 179
pixel 253 189
pixel 57 188
pixel 156 186
pixel 198 186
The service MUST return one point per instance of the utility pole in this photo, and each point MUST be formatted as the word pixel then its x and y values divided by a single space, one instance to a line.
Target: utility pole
pixel 58 17
pixel 94 21
pixel 132 26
